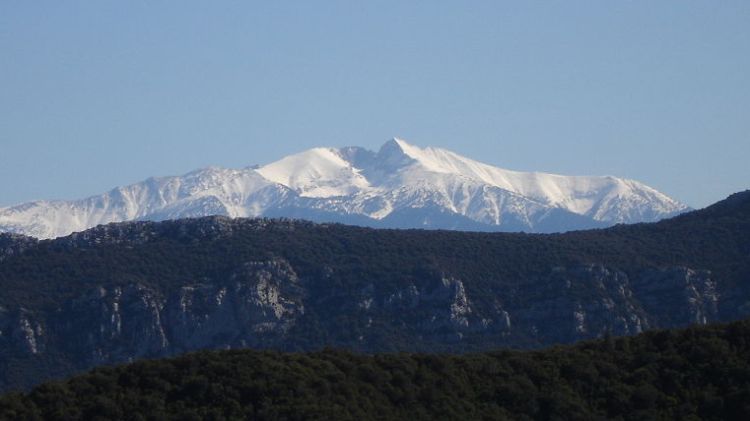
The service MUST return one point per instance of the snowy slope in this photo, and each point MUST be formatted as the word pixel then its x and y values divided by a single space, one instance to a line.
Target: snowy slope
pixel 401 185
pixel 319 172
pixel 607 199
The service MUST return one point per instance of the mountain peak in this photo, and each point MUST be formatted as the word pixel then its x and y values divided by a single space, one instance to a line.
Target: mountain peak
pixel 394 145
pixel 394 154
pixel 396 141
pixel 437 160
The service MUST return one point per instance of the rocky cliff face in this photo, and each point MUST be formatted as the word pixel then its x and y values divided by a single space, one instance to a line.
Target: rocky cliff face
pixel 264 304
pixel 254 306
pixel 582 302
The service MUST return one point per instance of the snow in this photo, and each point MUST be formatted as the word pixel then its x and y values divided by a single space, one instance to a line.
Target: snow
pixel 319 172
pixel 579 194
pixel 354 181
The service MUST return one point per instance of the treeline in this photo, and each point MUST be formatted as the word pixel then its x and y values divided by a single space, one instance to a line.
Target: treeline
pixel 696 373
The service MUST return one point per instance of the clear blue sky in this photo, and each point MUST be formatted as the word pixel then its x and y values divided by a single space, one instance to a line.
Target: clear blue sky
pixel 97 94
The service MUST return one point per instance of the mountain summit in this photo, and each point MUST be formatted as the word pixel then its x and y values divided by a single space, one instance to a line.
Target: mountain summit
pixel 400 185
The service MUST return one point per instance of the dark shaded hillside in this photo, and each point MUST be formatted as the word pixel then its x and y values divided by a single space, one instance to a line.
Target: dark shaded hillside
pixel 145 289
pixel 698 373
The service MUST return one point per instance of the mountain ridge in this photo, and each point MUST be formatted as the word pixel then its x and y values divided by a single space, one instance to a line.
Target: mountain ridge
pixel 400 185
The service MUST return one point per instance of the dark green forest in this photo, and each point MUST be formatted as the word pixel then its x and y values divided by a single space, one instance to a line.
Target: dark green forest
pixel 695 373
pixel 167 254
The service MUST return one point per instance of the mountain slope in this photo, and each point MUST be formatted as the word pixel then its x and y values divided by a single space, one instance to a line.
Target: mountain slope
pixel 373 188
pixel 146 289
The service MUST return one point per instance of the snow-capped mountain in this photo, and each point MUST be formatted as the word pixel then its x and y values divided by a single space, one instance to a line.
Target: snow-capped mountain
pixel 401 185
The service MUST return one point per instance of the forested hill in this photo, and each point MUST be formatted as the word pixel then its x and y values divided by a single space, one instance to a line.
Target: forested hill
pixel 125 291
pixel 697 373
pixel 717 238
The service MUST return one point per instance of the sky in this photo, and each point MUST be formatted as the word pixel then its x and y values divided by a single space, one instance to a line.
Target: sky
pixel 96 94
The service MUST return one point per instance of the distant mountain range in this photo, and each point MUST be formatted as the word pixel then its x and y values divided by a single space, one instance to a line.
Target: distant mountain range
pixel 400 186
